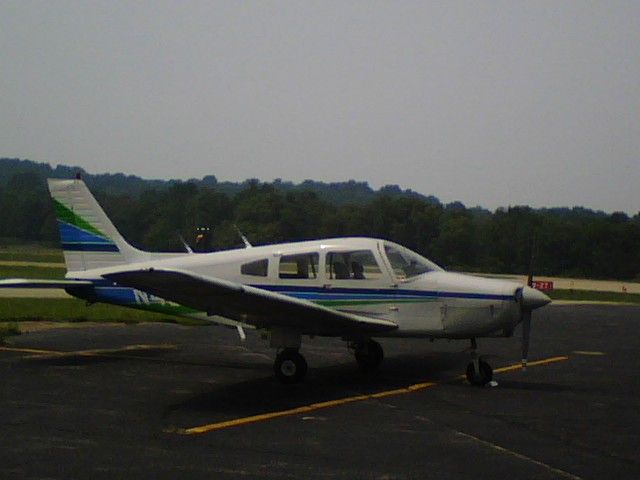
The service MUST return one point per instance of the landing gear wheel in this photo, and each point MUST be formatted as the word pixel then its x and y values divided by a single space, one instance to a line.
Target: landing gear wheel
pixel 369 355
pixel 289 366
pixel 482 377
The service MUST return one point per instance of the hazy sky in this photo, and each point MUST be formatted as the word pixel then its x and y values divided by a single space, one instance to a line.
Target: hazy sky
pixel 491 103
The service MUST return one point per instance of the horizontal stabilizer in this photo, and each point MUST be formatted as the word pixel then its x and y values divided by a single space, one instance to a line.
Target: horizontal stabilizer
pixel 37 283
pixel 246 304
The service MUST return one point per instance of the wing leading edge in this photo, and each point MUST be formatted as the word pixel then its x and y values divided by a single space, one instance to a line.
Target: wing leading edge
pixel 251 305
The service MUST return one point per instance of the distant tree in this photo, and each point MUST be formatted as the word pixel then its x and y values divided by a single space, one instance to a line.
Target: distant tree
pixel 153 214
pixel 25 207
pixel 455 247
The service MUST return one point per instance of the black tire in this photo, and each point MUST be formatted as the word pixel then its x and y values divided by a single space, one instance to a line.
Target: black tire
pixel 481 378
pixel 290 367
pixel 369 355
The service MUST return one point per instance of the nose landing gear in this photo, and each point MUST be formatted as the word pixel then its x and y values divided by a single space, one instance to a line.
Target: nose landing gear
pixel 479 375
pixel 479 372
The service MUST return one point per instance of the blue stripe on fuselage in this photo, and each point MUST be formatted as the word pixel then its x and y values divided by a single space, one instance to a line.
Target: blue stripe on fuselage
pixel 109 293
pixel 373 293
pixel 117 295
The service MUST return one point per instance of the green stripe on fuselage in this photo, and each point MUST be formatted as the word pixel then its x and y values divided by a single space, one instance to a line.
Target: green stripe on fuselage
pixel 64 214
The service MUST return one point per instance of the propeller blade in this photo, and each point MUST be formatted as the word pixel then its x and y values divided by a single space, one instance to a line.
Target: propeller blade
pixel 531 261
pixel 526 331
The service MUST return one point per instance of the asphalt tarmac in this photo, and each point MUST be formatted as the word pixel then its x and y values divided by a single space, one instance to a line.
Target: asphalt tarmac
pixel 166 401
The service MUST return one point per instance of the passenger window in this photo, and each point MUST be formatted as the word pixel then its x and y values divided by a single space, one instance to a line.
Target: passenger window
pixel 303 265
pixel 353 265
pixel 259 268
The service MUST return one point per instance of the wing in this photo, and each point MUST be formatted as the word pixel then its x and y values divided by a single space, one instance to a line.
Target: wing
pixel 251 305
pixel 36 283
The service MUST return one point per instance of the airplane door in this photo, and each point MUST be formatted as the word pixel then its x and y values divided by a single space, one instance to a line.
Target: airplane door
pixel 433 308
pixel 417 306
pixel 356 281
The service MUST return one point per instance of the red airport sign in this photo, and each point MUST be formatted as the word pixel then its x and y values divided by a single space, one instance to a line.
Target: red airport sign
pixel 544 286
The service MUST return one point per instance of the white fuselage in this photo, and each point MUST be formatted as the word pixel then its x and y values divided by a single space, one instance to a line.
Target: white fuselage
pixel 433 303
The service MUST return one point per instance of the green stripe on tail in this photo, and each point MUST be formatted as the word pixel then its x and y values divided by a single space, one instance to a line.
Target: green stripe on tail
pixel 66 215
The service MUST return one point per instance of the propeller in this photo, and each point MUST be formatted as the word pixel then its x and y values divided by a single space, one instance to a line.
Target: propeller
pixel 526 314
pixel 526 332
pixel 530 298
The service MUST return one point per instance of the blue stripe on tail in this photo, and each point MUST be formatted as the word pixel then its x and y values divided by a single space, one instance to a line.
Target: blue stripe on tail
pixel 76 239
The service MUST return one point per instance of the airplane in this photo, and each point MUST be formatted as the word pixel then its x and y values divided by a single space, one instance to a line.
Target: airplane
pixel 357 289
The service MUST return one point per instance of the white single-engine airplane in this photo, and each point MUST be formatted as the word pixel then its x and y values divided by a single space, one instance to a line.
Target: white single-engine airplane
pixel 353 288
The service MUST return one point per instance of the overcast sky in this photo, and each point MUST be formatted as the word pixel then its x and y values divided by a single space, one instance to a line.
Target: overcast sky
pixel 491 103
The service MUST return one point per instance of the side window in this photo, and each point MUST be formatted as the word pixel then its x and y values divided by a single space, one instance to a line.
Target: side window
pixel 407 264
pixel 258 268
pixel 353 265
pixel 303 265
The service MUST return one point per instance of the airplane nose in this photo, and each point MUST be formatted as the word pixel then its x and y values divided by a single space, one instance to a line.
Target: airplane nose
pixel 533 298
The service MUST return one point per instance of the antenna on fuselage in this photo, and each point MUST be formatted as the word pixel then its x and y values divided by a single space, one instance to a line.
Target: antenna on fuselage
pixel 247 243
pixel 186 245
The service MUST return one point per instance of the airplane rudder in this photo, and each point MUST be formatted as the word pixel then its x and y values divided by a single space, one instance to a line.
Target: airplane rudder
pixel 86 234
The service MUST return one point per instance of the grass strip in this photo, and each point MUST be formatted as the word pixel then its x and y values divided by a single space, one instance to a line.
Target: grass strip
pixel 594 296
pixel 7 329
pixel 31 257
pixel 31 253
pixel 14 271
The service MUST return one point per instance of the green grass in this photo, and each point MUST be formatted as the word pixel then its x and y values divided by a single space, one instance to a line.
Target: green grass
pixel 30 253
pixel 7 329
pixel 74 310
pixel 594 296
pixel 10 271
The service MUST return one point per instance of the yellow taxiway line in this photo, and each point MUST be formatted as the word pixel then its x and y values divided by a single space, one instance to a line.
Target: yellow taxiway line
pixel 98 352
pixel 342 401
pixel 36 351
pixel 303 409
pixel 535 363
pixel 269 415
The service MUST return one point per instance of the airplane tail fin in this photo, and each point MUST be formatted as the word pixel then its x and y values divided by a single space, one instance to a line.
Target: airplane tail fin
pixel 89 239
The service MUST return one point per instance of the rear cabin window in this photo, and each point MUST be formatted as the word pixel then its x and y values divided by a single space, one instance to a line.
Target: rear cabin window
pixel 353 265
pixel 304 265
pixel 258 268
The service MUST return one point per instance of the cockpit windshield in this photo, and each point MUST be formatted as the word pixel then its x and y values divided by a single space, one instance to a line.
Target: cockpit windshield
pixel 407 264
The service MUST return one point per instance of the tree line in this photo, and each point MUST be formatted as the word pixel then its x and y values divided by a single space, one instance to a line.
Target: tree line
pixel 156 214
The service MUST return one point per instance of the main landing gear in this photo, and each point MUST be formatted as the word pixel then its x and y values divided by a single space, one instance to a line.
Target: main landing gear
pixel 479 372
pixel 290 366
pixel 369 354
